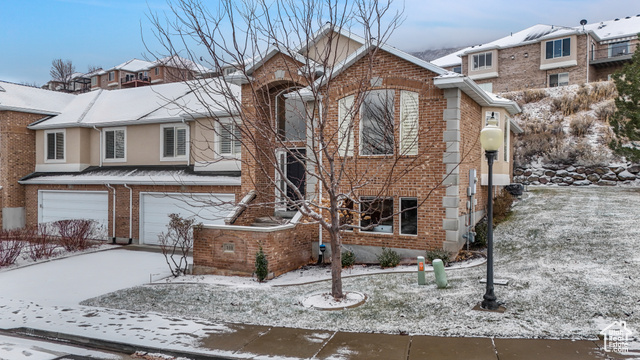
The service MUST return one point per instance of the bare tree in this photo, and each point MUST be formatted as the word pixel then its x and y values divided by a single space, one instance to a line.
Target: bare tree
pixel 93 68
pixel 62 71
pixel 305 146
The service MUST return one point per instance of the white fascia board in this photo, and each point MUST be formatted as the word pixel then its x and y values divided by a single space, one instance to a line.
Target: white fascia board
pixel 124 180
pixel 249 228
pixel 28 110
pixel 472 89
pixel 238 78
pixel 481 49
pixel 515 128
pixel 489 75
pixel 558 65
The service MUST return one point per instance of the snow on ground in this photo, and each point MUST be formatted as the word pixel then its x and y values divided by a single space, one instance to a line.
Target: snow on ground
pixel 14 348
pixel 570 256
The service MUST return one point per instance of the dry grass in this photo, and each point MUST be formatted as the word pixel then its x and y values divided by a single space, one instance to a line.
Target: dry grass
pixel 605 111
pixel 581 124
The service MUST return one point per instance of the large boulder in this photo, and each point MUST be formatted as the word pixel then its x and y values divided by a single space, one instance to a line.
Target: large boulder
pixel 567 180
pixel 533 179
pixel 528 172
pixel 626 175
pixel 550 173
pixel 616 169
pixel 634 169
pixel 562 173
pixel 582 183
pixel 609 176
pixel 606 183
pixel 518 171
pixel 578 176
pixel 601 170
pixel 543 180
pixel 594 178
pixel 580 169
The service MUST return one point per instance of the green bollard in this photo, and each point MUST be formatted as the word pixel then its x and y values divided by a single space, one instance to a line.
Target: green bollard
pixel 438 270
pixel 421 278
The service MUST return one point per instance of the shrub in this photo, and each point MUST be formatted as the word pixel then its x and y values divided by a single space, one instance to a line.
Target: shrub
pixel 176 243
pixel 262 265
pixel 605 111
pixel 502 207
pixel 481 233
pixel 388 258
pixel 581 125
pixel 533 95
pixel 76 234
pixel 40 245
pixel 348 258
pixel 11 245
pixel 441 254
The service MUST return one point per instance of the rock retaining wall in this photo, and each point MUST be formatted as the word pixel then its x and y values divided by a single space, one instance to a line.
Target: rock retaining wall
pixel 568 175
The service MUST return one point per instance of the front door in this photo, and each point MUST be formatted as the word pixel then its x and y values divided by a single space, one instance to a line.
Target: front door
pixel 292 164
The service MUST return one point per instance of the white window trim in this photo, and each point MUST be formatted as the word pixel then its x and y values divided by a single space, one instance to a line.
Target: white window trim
pixel 219 142
pixel 507 140
pixel 104 144
pixel 360 127
pixel 393 230
pixel 558 75
pixel 412 149
pixel 184 157
pixel 64 146
pixel 553 52
pixel 485 67
pixel 400 216
pixel 345 126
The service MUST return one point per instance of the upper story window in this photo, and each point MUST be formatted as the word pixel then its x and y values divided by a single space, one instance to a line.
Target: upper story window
pixel 619 49
pixel 156 71
pixel 558 48
pixel 230 144
pixel 376 123
pixel 482 61
pixel 94 80
pixel 54 140
pixel 115 144
pixel 174 142
pixel 292 117
pixel 112 75
pixel 457 69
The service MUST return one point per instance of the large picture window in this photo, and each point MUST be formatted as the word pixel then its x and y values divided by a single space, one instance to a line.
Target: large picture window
pixel 376 215
pixel 558 48
pixel 561 79
pixel 619 49
pixel 376 121
pixel 174 142
pixel 482 61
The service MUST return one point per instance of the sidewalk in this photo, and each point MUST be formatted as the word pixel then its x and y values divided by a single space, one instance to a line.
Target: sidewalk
pixel 258 342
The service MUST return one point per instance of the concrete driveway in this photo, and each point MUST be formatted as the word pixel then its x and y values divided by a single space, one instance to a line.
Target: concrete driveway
pixel 76 278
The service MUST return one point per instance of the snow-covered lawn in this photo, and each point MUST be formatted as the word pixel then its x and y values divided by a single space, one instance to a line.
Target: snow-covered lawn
pixel 571 256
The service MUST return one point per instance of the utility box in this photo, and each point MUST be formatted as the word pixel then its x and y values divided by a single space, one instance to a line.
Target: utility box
pixel 421 276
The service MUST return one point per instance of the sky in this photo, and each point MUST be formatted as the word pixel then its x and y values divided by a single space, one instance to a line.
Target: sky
pixel 109 32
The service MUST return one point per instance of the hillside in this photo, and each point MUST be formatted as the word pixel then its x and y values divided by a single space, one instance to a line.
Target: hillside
pixel 429 55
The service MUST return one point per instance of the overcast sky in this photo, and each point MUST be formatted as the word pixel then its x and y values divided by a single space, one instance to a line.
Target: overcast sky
pixel 109 32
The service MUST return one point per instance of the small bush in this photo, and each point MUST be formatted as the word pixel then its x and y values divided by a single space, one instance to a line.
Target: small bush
pixel 348 259
pixel 605 111
pixel 40 245
pixel 533 95
pixel 441 254
pixel 76 234
pixel 262 265
pixel 11 245
pixel 388 258
pixel 177 242
pixel 581 125
pixel 502 207
pixel 481 233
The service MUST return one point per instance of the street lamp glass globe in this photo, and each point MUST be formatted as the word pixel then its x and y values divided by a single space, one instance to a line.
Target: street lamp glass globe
pixel 491 136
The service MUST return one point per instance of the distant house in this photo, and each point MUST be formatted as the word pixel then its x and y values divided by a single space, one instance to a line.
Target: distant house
pixel 548 56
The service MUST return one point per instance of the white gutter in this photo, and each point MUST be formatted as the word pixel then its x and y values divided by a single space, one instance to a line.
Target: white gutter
pixel 113 225
pixel 320 185
pixel 100 181
pixel 100 141
pixel 130 211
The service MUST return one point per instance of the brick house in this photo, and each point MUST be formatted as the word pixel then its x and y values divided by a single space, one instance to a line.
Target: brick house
pixel 128 158
pixel 547 56
pixel 449 110
pixel 125 159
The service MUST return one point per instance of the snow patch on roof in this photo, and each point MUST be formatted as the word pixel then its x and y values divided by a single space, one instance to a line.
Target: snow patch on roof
pixel 33 100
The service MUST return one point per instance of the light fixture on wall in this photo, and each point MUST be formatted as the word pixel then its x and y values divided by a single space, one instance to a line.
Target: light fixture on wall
pixel 513 57
pixel 526 55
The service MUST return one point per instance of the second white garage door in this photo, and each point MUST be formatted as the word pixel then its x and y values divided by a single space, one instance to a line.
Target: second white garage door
pixel 156 207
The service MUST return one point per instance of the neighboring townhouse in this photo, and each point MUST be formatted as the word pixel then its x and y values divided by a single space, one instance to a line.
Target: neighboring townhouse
pixel 449 109
pixel 548 56
pixel 125 159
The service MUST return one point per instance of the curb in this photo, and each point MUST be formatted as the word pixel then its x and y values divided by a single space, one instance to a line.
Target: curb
pixel 113 346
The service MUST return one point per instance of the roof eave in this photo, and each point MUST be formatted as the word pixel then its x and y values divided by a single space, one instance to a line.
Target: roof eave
pixel 472 89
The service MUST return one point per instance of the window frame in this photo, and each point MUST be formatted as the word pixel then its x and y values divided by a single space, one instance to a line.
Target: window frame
pixel 403 212
pixel 112 75
pixel 362 124
pixel 477 67
pixel 558 84
pixel 64 146
pixel 175 126
pixel 104 142
pixel 236 144
pixel 363 200
pixel 617 45
pixel 563 52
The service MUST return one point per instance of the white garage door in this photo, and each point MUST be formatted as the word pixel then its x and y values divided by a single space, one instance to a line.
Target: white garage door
pixel 54 205
pixel 156 207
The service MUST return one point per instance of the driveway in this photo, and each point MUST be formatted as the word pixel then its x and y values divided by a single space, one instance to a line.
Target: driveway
pixel 70 280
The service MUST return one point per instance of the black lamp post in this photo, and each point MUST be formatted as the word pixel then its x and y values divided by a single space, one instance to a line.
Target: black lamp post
pixel 491 138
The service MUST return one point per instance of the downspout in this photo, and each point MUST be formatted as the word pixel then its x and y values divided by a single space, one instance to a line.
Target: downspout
pixel 587 40
pixel 100 150
pixel 320 245
pixel 113 225
pixel 130 211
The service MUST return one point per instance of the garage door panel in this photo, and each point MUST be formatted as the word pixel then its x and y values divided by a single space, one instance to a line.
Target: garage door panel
pixel 156 207
pixel 55 205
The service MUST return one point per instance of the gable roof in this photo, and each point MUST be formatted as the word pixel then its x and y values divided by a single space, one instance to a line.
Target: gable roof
pixel 33 100
pixel 179 101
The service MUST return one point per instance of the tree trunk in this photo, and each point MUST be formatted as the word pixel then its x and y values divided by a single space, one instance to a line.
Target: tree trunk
pixel 336 265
